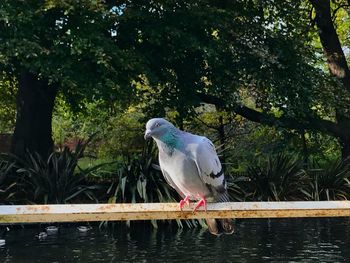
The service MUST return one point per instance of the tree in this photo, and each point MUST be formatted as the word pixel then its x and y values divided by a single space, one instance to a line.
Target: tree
pixel 339 126
pixel 265 49
pixel 59 46
pixel 176 55
pixel 337 64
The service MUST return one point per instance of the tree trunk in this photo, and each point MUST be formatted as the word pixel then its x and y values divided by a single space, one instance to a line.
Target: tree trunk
pixel 345 147
pixel 305 150
pixel 33 130
pixel 336 60
pixel 332 49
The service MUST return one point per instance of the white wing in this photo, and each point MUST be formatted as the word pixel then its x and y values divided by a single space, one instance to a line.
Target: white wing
pixel 208 164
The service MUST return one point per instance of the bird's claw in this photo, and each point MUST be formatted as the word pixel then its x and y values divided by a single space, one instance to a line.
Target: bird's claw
pixel 184 201
pixel 200 203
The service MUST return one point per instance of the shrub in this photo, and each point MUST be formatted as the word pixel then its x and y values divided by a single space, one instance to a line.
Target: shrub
pixel 330 181
pixel 280 178
pixel 58 179
pixel 8 182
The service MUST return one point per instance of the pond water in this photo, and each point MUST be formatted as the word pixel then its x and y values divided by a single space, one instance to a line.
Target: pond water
pixel 259 240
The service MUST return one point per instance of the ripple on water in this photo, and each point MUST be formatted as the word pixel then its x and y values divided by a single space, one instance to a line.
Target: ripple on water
pixel 283 240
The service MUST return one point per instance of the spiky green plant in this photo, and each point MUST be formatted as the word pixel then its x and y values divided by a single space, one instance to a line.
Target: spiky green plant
pixel 8 182
pixel 330 181
pixel 280 178
pixel 234 187
pixel 58 179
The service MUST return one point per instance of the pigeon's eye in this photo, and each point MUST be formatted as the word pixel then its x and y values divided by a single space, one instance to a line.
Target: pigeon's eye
pixel 157 124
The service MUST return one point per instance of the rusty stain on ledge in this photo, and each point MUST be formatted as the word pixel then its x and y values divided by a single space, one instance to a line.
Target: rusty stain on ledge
pixel 149 211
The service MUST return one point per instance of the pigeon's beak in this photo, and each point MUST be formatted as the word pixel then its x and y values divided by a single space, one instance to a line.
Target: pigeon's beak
pixel 147 134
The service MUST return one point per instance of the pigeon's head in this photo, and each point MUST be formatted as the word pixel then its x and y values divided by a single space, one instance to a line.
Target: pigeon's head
pixel 157 128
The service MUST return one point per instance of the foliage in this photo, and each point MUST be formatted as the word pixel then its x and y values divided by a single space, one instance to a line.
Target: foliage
pixel 8 104
pixel 281 178
pixel 66 48
pixel 116 131
pixel 229 47
pixel 262 54
pixel 235 51
pixel 118 63
pixel 239 141
pixel 330 182
pixel 65 42
pixel 123 135
pixel 56 180
pixel 63 123
pixel 235 187
pixel 8 182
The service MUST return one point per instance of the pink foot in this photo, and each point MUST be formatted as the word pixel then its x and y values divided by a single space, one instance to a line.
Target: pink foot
pixel 200 203
pixel 184 201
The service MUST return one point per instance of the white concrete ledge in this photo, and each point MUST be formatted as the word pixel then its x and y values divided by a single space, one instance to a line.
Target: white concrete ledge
pixel 148 211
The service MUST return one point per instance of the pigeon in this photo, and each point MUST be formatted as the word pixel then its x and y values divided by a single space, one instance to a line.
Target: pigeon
pixel 41 235
pixel 191 166
pixel 51 230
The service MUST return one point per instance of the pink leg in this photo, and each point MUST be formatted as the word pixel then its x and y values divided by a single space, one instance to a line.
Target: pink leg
pixel 200 203
pixel 184 201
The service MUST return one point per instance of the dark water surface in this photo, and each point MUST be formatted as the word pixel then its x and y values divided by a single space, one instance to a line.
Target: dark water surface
pixel 277 240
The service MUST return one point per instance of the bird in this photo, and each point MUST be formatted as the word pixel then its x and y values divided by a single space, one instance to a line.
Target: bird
pixel 191 166
pixel 51 230
pixel 84 229
pixel 42 235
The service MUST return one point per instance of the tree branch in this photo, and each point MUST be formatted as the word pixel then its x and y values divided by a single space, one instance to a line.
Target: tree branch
pixel 334 13
pixel 271 120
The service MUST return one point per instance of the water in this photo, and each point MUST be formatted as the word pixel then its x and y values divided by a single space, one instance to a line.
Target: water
pixel 261 240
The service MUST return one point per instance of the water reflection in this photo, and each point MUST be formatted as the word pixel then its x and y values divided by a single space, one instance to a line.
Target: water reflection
pixel 277 240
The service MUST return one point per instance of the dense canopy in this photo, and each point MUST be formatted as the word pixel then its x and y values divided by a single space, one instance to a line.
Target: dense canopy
pixel 263 60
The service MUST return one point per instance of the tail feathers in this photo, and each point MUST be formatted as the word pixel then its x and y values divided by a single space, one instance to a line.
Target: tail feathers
pixel 223 197
pixel 224 225
pixel 220 226
pixel 227 225
pixel 213 226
